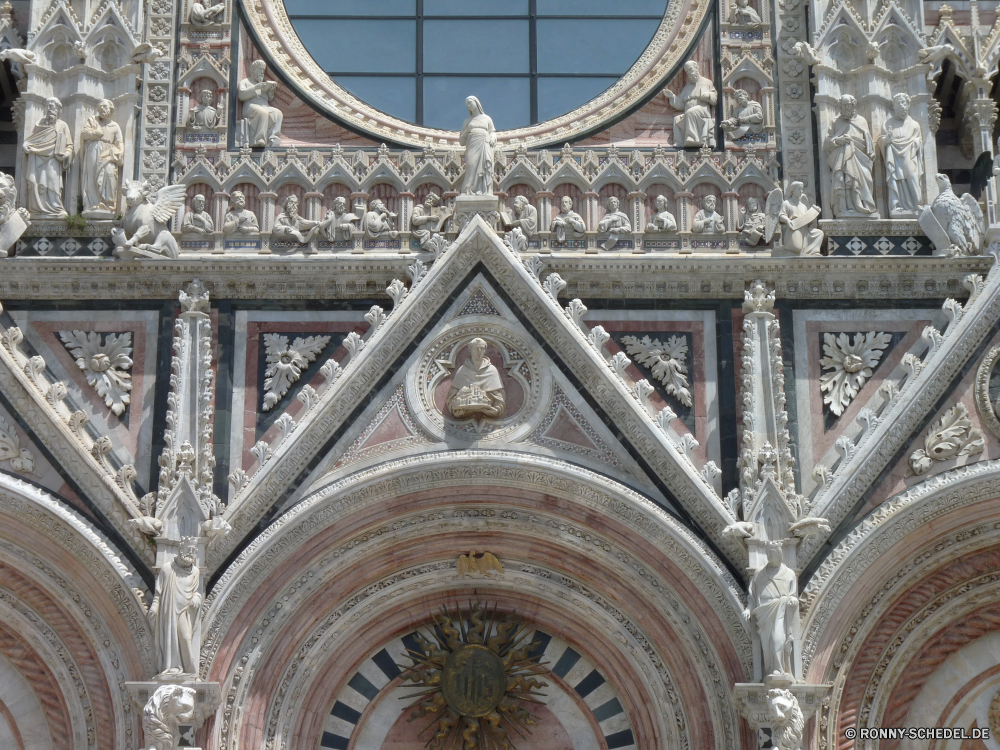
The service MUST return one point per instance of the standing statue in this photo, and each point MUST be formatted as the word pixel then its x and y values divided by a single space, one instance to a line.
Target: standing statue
pixel 616 222
pixel 851 155
pixel 773 608
pixel 338 222
pixel 50 152
pixel 568 223
pixel 525 217
pixel 261 121
pixel 752 222
pixel 476 388
pixel 430 219
pixel 289 225
pixel 239 219
pixel 748 117
pixel 103 155
pixel 378 221
pixel 479 138
pixel 176 612
pixel 197 220
pixel 696 127
pixel 902 147
pixel 167 708
pixel 796 219
pixel 707 220
pixel 662 221
pixel 955 225
pixel 204 115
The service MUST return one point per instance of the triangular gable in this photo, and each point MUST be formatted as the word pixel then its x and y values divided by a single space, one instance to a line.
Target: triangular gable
pixel 479 249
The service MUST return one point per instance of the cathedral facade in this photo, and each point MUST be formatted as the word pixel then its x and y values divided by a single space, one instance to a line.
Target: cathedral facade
pixel 538 374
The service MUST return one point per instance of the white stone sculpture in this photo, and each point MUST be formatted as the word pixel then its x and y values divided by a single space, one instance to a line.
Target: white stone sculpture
pixel 144 227
pixel 13 220
pixel 752 222
pixel 285 363
pixel 168 707
pixel 773 610
pixel 290 226
pixel 378 221
pixel 744 15
pixel 239 219
pixel 103 154
pixel 50 153
pixel 431 220
pixel 568 223
pixel 796 218
pixel 175 613
pixel 805 52
pixel 850 365
pixel 707 220
pixel 950 437
pixel 851 156
pixel 696 127
pixel 662 221
pixel 204 115
pixel 21 460
pixel 747 117
pixel 338 223
pixel 476 389
pixel 667 361
pixel 525 217
pixel 615 222
pixel 105 364
pixel 261 123
pixel 902 148
pixel 787 721
pixel 953 224
pixel 198 220
pixel 201 15
pixel 145 52
pixel 480 139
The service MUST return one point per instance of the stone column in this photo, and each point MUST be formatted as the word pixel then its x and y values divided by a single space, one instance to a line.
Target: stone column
pixel 683 203
pixel 220 207
pixel 731 210
pixel 590 210
pixel 359 206
pixel 543 202
pixel 980 116
pixel 267 205
pixel 314 206
pixel 404 207
pixel 637 215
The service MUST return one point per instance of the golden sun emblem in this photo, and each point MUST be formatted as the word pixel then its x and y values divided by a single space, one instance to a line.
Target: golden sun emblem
pixel 477 672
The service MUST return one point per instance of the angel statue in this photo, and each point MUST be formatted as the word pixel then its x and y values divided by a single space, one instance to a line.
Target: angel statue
pixel 953 224
pixel 797 220
pixel 144 232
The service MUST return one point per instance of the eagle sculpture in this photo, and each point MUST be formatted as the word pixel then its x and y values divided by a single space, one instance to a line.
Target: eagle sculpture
pixel 953 224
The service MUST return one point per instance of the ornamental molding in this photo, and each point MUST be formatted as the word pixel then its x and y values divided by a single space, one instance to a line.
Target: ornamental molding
pixel 905 408
pixel 477 245
pixel 269 25
pixel 985 406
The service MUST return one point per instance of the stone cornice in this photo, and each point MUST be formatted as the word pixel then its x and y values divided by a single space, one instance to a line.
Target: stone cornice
pixel 603 276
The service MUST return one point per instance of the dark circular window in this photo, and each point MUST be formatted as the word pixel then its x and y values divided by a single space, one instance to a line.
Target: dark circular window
pixel 528 61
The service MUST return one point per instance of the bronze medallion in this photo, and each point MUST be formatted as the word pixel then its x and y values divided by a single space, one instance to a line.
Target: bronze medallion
pixel 473 680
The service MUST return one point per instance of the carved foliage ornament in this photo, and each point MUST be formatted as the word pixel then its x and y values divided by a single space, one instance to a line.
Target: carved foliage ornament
pixel 667 361
pixel 10 448
pixel 476 672
pixel 950 437
pixel 285 363
pixel 849 365
pixel 105 363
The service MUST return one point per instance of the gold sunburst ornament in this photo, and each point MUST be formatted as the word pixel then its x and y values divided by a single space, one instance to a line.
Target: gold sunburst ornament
pixel 478 674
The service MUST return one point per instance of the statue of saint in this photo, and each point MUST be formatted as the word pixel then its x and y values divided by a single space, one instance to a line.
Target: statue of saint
pixel 378 222
pixel 204 115
pixel 902 146
pixel 338 223
pixel 797 220
pixel 239 219
pixel 476 388
pixel 696 127
pixel 615 222
pixel 568 223
pixel 261 120
pixel 747 117
pixel 662 221
pixel 430 219
pixel 202 16
pixel 744 15
pixel 50 152
pixel 103 155
pixel 773 608
pixel 197 220
pixel 851 155
pixel 479 138
pixel 289 225
pixel 525 217
pixel 707 221
pixel 751 222
pixel 176 612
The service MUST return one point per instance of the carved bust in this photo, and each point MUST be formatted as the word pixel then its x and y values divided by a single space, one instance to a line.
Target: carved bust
pixel 476 389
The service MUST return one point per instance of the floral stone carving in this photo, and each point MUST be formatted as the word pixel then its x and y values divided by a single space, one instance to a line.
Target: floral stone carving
pixel 105 363
pixel 850 365
pixel 950 437
pixel 10 449
pixel 665 360
pixel 285 363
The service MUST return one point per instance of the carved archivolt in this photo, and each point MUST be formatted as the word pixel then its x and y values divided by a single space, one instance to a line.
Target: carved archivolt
pixel 986 407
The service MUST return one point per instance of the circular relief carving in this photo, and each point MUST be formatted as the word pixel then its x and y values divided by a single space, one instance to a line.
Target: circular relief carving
pixel 478 381
pixel 985 405
pixel 473 680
